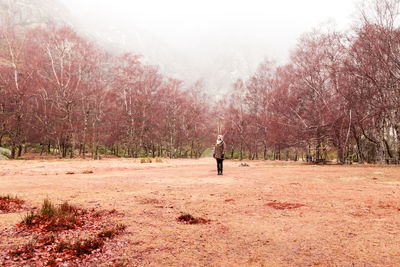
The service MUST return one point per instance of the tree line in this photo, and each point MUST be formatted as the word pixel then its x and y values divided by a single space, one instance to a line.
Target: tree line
pixel 338 97
pixel 339 92
pixel 66 94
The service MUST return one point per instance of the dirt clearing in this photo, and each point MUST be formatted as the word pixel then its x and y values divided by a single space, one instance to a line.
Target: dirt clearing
pixel 267 214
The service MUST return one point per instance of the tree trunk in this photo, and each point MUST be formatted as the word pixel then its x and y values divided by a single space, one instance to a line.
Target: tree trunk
pixel 265 152
pixel 19 150
pixel 279 152
pixel 360 156
pixel 13 150
pixel 42 149
pixel 65 150
pixel 60 148
pixel 191 149
pixel 72 155
pixel 397 129
pixel 380 153
pixel 317 152
pixel 84 150
pixel 250 153
pixel 387 147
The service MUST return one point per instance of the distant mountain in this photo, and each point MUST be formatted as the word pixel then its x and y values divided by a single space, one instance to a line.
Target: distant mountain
pixel 219 64
pixel 30 13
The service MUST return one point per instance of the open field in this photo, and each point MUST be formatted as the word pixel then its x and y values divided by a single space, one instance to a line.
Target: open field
pixel 351 214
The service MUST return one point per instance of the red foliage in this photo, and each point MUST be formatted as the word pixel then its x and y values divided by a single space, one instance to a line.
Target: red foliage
pixel 55 239
pixel 10 204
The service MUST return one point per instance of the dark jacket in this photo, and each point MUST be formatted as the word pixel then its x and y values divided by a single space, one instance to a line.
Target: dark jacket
pixel 219 151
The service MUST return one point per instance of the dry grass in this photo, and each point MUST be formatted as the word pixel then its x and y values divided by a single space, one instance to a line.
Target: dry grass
pixel 351 214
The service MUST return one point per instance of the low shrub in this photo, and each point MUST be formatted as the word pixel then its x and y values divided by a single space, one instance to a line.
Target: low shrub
pixel 28 218
pixel 52 218
pixel 146 160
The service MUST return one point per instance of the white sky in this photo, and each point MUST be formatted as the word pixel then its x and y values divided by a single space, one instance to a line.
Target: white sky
pixel 199 29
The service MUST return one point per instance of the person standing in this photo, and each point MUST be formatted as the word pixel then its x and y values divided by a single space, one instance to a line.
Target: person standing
pixel 219 153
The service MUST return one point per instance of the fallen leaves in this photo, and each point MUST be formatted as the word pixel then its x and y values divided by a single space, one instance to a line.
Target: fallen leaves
pixel 10 204
pixel 63 234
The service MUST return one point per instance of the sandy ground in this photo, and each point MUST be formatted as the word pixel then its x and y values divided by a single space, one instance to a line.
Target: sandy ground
pixel 351 214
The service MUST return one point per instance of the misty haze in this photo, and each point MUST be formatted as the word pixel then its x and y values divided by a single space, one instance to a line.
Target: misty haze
pixel 199 133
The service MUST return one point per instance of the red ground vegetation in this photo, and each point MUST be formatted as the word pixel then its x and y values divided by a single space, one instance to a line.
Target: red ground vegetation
pixel 10 204
pixel 63 234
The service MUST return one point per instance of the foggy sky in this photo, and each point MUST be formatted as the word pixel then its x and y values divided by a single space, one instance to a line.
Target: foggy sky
pixel 189 37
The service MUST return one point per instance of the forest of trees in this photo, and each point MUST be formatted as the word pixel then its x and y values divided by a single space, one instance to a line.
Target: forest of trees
pixel 337 98
pixel 340 92
pixel 64 93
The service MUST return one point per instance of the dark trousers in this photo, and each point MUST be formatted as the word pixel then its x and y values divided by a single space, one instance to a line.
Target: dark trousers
pixel 219 165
